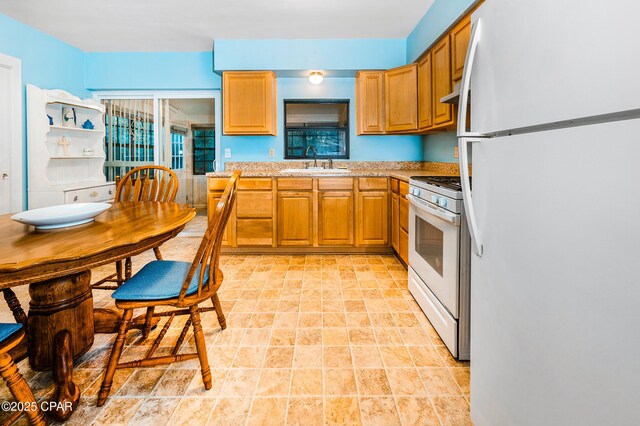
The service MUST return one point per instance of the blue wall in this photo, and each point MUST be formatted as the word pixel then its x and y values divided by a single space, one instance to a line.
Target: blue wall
pixel 439 147
pixel 438 18
pixel 46 62
pixel 327 55
pixel 373 148
pixel 150 70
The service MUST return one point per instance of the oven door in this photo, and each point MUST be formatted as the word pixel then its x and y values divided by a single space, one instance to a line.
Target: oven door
pixel 434 243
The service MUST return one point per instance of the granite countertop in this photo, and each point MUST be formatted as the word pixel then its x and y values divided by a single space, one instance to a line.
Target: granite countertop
pixel 402 170
pixel 398 174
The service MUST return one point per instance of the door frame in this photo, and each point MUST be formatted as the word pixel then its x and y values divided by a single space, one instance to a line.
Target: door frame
pixel 16 143
pixel 157 95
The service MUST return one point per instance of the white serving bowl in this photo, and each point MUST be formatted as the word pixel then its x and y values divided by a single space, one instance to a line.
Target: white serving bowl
pixel 61 216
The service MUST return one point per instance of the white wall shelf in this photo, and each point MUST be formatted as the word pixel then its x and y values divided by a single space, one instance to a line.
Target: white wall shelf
pixel 52 180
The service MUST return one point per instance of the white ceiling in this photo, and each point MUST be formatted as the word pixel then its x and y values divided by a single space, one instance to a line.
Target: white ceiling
pixel 193 25
pixel 194 107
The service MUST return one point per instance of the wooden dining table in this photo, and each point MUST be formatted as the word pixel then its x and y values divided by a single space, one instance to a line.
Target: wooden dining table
pixel 56 264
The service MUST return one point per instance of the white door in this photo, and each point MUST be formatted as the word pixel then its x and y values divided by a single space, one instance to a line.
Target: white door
pixel 10 135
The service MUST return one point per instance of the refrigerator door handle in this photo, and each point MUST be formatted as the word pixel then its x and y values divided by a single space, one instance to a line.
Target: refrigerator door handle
pixel 476 241
pixel 463 105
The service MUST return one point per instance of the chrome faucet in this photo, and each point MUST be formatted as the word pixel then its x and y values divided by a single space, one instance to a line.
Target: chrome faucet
pixel 331 163
pixel 315 155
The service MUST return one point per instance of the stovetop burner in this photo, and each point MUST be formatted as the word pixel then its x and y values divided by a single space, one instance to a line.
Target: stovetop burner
pixel 448 182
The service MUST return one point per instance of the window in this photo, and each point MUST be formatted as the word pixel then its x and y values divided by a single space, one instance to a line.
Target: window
pixel 204 149
pixel 177 147
pixel 323 124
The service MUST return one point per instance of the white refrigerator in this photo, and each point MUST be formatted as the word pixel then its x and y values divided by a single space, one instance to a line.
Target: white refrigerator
pixel 554 211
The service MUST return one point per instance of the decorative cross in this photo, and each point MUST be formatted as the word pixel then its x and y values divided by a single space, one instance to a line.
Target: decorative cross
pixel 65 144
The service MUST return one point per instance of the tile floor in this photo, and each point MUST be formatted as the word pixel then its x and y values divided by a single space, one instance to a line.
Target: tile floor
pixel 332 339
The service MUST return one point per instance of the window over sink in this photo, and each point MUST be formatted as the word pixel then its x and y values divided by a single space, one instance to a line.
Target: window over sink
pixel 321 123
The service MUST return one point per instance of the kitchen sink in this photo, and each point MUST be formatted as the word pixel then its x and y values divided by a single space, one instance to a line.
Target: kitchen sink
pixel 318 170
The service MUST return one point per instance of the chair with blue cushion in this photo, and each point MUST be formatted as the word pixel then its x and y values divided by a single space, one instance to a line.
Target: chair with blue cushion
pixel 10 337
pixel 181 285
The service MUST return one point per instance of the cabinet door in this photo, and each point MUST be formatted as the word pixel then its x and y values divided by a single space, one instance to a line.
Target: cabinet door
pixel 335 217
pixel 295 218
pixel 459 43
pixel 369 103
pixel 249 103
pixel 212 202
pixel 425 93
pixel 401 98
pixel 373 218
pixel 395 223
pixel 404 246
pixel 403 213
pixel 441 57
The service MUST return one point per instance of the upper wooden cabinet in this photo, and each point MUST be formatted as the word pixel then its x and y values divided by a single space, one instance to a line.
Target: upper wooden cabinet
pixel 459 43
pixel 249 102
pixel 425 93
pixel 401 98
pixel 370 103
pixel 441 74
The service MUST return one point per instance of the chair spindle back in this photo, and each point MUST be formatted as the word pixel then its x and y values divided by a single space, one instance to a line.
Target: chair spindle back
pixel 207 257
pixel 147 183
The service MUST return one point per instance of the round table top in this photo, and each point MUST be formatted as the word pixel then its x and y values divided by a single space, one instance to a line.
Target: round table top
pixel 125 224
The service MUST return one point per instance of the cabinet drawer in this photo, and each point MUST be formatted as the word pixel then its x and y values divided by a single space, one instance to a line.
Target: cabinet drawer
pixel 404 188
pixel 90 195
pixel 254 204
pixel 295 183
pixel 254 232
pixel 217 184
pixel 335 183
pixel 366 184
pixel 254 183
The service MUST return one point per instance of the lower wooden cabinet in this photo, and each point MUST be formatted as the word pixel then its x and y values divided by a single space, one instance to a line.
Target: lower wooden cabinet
pixel 395 222
pixel 373 218
pixel 400 219
pixel 212 202
pixel 295 218
pixel 335 218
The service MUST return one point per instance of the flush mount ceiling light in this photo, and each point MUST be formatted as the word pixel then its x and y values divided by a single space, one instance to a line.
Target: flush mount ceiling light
pixel 316 77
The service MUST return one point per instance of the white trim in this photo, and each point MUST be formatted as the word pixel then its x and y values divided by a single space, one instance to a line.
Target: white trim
pixel 16 147
pixel 156 95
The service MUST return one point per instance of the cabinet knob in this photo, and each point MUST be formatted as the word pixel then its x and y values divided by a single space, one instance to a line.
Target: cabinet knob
pixel 94 194
pixel 5 176
pixel 75 198
pixel 110 192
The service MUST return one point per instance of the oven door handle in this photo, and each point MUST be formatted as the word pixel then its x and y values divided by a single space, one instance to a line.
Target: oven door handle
pixel 425 206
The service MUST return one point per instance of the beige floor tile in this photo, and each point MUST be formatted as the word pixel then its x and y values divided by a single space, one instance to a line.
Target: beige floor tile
pixel 372 381
pixel 379 411
pixel 462 377
pixel 395 356
pixel 439 382
pixel 337 357
pixel 362 336
pixel 335 337
pixel 306 382
pixel 406 382
pixel 278 357
pixel 154 412
pixel 274 382
pixel 141 382
pixel 309 336
pixel 388 336
pixel 283 337
pixel 339 382
pixel 118 411
pixel 255 337
pixel 249 357
pixel 230 411
pixel 305 412
pixel 342 411
pixel 417 411
pixel 174 382
pixel 453 411
pixel 366 357
pixel 240 383
pixel 267 411
pixel 333 319
pixel 310 320
pixel 425 356
pixel 307 357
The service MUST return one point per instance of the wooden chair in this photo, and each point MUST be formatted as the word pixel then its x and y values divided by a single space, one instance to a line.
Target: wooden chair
pixel 146 183
pixel 181 285
pixel 10 336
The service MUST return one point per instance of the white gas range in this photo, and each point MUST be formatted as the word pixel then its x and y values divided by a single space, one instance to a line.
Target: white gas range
pixel 439 258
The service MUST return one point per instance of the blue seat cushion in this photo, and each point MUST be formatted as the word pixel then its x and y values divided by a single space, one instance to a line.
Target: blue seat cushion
pixel 158 280
pixel 7 330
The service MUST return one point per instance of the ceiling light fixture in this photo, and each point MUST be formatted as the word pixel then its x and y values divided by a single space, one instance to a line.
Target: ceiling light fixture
pixel 315 77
